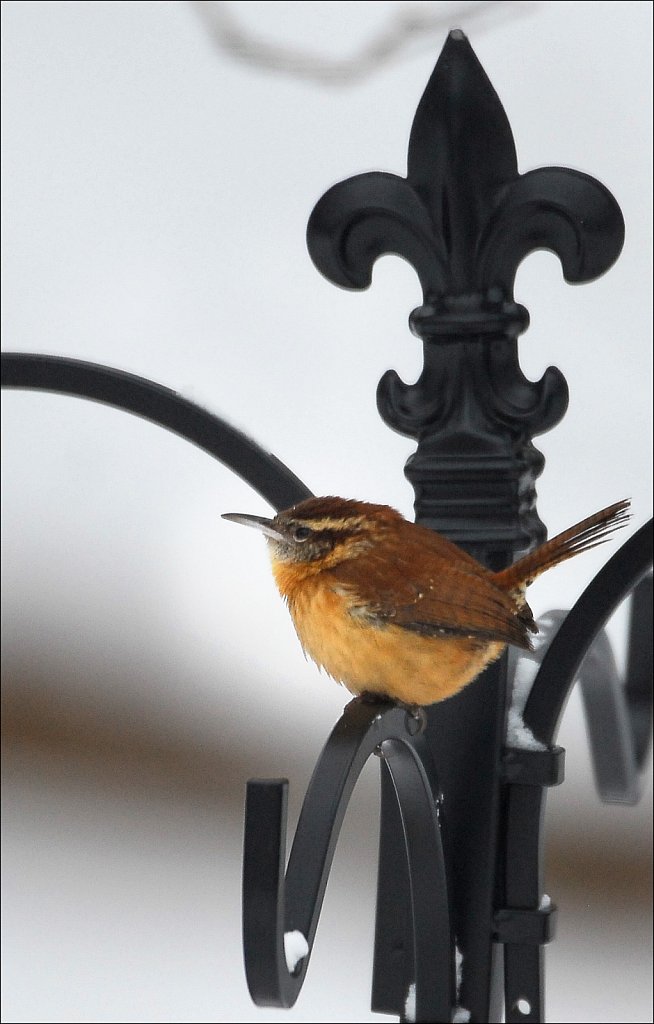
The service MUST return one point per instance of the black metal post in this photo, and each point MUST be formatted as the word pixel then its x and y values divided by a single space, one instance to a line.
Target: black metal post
pixel 465 218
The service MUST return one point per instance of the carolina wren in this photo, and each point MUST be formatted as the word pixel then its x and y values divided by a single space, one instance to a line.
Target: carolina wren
pixel 394 610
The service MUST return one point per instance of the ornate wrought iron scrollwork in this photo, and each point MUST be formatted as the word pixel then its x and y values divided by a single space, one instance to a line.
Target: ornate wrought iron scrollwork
pixel 464 218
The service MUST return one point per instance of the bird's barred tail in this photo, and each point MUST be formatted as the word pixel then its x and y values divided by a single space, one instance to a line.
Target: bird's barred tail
pixel 585 535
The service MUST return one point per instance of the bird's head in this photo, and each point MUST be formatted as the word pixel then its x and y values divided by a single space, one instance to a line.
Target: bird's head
pixel 320 532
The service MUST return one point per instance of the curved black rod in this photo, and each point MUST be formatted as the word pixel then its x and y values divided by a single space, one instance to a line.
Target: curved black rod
pixel 265 473
pixel 274 905
pixel 621 715
pixel 618 713
pixel 591 612
pixel 638 684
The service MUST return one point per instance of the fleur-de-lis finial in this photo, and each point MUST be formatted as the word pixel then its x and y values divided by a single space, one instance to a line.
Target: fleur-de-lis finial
pixel 465 218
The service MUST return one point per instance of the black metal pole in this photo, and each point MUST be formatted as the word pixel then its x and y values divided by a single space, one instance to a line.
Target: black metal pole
pixel 464 218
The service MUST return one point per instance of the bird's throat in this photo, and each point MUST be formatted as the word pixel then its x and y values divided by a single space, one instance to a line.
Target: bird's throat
pixel 290 576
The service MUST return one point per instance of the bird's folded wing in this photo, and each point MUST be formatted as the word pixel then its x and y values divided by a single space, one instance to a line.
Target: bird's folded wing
pixel 431 600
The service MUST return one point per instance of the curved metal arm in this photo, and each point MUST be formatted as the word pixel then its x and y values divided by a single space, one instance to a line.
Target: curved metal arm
pixel 618 713
pixel 265 473
pixel 619 717
pixel 562 661
pixel 274 905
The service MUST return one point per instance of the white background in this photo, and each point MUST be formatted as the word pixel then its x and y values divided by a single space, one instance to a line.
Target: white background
pixel 156 193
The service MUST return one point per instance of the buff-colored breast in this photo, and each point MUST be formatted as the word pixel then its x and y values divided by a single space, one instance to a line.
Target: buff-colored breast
pixel 385 659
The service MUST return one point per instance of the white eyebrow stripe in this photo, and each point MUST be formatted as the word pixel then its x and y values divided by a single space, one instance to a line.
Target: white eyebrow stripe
pixel 327 523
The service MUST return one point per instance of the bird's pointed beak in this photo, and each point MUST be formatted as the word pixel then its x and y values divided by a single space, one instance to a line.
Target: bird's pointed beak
pixel 258 522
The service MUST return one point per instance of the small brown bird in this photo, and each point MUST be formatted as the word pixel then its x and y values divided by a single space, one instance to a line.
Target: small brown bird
pixel 394 610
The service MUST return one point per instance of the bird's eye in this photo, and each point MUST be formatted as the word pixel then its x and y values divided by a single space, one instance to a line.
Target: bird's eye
pixel 301 533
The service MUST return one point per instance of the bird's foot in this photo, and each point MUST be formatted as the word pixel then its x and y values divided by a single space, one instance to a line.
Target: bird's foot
pixel 416 716
pixel 370 697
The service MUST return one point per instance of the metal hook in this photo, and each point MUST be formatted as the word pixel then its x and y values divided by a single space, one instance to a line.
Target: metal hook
pixel 274 904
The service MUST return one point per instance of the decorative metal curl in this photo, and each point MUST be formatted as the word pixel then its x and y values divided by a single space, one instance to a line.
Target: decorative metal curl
pixel 274 905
